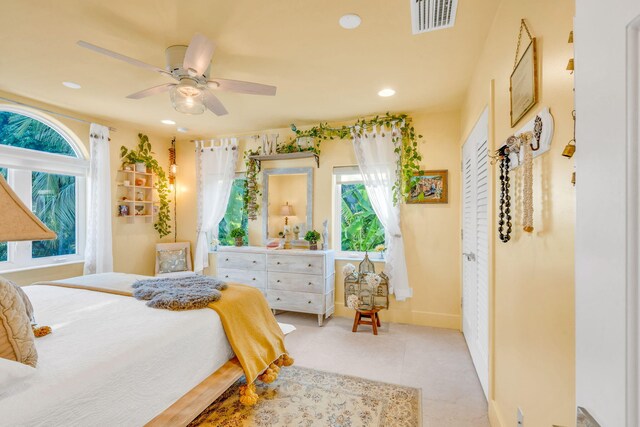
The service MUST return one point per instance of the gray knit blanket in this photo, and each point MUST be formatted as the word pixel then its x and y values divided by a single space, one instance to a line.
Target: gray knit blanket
pixel 179 293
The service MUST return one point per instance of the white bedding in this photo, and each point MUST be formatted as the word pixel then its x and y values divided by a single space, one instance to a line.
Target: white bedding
pixel 111 361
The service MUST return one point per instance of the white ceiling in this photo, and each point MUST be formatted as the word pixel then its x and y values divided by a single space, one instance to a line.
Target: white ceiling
pixel 323 72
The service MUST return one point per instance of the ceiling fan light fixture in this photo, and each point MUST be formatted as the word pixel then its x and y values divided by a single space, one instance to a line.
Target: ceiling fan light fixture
pixel 187 97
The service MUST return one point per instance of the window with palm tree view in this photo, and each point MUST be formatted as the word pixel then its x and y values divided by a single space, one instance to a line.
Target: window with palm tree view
pixel 358 228
pixel 235 216
pixel 34 159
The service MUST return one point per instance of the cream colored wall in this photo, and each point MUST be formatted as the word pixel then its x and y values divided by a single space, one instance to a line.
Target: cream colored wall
pixel 532 358
pixel 431 232
pixel 133 243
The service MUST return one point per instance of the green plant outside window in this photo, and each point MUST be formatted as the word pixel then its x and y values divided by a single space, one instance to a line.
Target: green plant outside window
pixel 361 229
pixel 21 131
pixel 235 216
pixel 53 197
pixel 54 202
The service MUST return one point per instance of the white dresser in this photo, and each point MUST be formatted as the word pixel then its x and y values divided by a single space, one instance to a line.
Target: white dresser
pixel 292 280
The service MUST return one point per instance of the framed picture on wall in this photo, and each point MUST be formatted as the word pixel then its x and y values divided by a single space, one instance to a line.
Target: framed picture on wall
pixel 429 187
pixel 523 88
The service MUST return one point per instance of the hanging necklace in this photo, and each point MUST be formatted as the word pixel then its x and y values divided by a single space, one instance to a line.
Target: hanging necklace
pixel 527 188
pixel 527 172
pixel 505 199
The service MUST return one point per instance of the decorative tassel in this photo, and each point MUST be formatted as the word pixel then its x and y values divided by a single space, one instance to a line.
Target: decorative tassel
pixel 269 375
pixel 40 331
pixel 286 360
pixel 248 395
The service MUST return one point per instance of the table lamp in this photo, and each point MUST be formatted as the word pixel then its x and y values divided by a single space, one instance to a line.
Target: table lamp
pixel 17 222
pixel 286 211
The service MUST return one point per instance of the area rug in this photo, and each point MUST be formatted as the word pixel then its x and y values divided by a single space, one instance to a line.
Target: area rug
pixel 306 397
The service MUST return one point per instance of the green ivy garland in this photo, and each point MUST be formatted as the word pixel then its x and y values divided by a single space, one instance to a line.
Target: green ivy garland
pixel 406 145
pixel 143 154
pixel 251 188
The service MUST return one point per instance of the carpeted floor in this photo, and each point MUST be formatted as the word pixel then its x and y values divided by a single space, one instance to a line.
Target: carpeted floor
pixel 306 397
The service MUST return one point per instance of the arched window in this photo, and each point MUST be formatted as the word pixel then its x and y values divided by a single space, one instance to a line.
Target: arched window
pixel 45 165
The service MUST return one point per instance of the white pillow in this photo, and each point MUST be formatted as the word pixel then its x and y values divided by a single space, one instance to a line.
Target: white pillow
pixel 12 373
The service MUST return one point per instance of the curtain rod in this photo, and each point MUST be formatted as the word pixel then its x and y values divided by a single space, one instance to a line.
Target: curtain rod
pixel 52 112
pixel 258 135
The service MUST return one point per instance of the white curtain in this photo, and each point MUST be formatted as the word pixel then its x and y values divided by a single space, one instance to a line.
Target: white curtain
pixel 378 162
pixel 215 167
pixel 98 254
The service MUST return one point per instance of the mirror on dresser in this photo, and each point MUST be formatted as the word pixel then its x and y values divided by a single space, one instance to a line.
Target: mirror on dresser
pixel 287 196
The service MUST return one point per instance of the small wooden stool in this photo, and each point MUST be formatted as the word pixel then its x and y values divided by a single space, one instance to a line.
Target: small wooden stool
pixel 372 315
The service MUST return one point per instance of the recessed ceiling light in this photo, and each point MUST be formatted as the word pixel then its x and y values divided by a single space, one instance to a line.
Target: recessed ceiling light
pixel 350 21
pixel 386 92
pixel 71 85
pixel 168 122
pixel 182 130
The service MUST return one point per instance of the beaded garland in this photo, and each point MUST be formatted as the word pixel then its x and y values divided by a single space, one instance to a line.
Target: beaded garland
pixel 505 198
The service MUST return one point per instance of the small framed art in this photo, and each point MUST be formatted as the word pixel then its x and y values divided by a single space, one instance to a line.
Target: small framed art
pixel 523 88
pixel 429 187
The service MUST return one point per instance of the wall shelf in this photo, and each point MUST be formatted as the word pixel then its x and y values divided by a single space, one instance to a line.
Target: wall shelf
pixel 128 208
pixel 285 156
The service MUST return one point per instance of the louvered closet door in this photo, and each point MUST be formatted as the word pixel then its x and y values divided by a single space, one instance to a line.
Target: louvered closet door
pixel 475 247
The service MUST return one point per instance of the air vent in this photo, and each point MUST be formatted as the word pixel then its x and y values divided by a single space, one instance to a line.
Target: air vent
pixel 431 15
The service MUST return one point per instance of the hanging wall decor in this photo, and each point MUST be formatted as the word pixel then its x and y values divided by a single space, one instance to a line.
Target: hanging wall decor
pixel 523 87
pixel 429 187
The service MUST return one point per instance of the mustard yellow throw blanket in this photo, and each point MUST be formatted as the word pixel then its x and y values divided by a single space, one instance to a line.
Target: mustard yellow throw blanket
pixel 251 328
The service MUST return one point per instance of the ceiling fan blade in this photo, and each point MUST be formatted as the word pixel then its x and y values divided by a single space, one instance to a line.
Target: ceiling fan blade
pixel 121 57
pixel 213 103
pixel 199 54
pixel 242 87
pixel 151 91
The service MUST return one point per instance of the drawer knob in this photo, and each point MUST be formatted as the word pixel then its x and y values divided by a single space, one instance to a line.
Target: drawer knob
pixel 278 281
pixel 278 262
pixel 254 261
pixel 226 259
pixel 278 299
pixel 253 279
pixel 309 283
pixel 309 265
pixel 226 277
pixel 309 302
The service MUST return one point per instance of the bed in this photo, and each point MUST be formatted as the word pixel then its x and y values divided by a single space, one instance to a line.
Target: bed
pixel 113 361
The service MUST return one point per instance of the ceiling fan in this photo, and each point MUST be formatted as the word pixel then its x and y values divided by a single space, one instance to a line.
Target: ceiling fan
pixel 190 66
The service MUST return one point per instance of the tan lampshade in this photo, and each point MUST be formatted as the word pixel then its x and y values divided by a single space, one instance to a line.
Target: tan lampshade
pixel 17 222
pixel 286 210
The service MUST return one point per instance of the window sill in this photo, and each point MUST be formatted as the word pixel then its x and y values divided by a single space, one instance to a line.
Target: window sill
pixel 358 258
pixel 7 269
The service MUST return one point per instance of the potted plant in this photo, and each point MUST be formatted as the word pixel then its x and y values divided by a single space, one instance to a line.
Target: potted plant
pixel 312 237
pixel 238 234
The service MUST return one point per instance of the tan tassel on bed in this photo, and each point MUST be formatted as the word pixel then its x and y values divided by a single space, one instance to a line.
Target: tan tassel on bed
pixel 40 331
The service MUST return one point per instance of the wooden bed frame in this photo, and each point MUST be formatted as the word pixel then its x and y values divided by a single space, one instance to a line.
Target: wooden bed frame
pixel 189 406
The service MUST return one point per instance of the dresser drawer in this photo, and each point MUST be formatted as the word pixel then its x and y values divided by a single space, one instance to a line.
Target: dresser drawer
pixel 295 264
pixel 296 301
pixel 256 278
pixel 295 282
pixel 241 261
